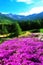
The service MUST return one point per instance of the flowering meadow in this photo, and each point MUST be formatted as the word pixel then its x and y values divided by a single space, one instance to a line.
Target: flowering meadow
pixel 21 51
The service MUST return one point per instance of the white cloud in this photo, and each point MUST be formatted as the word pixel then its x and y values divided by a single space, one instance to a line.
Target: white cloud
pixel 34 10
pixel 26 1
pixel 5 12
pixel 23 13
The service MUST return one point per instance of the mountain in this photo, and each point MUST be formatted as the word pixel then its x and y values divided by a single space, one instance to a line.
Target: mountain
pixel 21 17
pixel 5 19
pixel 29 17
pixel 15 17
pixel 35 16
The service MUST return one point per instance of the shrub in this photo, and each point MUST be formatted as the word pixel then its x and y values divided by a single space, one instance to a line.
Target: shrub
pixel 17 29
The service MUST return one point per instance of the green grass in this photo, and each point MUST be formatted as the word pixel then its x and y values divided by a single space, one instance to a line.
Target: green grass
pixel 41 30
pixel 23 33
pixel 37 30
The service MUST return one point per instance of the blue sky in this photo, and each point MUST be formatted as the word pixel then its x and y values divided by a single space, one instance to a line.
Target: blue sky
pixel 21 7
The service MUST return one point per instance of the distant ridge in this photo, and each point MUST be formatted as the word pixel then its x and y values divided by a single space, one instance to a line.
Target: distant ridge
pixel 5 19
pixel 22 17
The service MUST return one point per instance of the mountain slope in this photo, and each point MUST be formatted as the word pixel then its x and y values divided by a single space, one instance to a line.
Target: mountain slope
pixel 13 17
pixel 29 17
pixel 5 20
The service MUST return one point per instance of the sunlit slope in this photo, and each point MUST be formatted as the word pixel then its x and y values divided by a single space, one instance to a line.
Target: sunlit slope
pixel 5 20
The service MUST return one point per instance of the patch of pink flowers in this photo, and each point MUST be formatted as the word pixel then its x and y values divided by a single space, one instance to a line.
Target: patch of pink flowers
pixel 21 51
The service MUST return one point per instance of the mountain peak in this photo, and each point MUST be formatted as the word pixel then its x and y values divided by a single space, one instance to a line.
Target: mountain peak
pixel 22 17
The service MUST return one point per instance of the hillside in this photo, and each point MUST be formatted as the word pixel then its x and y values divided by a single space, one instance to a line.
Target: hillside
pixel 29 17
pixel 8 18
pixel 5 20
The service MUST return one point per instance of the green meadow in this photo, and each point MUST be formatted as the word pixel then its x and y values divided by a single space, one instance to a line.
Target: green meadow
pixel 10 28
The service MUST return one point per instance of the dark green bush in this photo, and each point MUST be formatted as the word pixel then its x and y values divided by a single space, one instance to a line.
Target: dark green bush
pixel 17 29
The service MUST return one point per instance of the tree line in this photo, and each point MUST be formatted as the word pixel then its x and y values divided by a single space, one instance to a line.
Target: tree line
pixel 17 26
